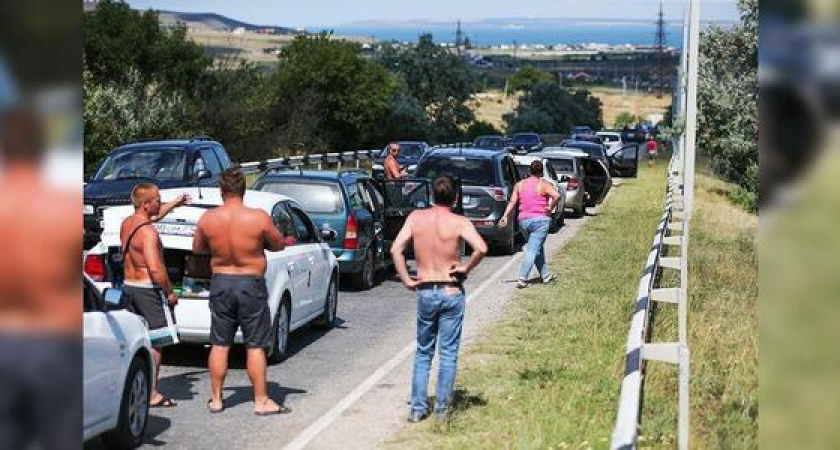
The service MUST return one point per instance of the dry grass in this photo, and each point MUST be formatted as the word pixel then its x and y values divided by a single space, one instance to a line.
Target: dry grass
pixel 639 104
pixel 492 105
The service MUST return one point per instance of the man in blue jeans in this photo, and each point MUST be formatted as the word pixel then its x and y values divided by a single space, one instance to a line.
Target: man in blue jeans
pixel 436 233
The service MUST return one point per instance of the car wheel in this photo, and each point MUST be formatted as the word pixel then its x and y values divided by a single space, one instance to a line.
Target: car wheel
pixel 280 333
pixel 365 279
pixel 509 246
pixel 134 408
pixel 327 321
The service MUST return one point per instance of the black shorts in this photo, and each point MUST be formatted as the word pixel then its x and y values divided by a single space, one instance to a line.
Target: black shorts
pixel 147 302
pixel 239 301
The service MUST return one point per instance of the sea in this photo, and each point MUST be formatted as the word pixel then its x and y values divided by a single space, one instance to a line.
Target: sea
pixel 524 33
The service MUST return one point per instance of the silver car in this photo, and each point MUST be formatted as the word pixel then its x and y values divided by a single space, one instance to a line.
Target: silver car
pixel 587 179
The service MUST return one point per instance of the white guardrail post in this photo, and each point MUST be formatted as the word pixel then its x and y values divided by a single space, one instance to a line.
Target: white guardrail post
pixel 672 232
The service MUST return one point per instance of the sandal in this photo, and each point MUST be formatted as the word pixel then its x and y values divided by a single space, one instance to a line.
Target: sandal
pixel 165 402
pixel 212 409
pixel 280 410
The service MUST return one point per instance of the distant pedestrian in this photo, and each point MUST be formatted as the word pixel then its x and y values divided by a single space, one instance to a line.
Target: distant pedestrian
pixel 236 237
pixel 393 169
pixel 436 233
pixel 536 199
pixel 146 281
pixel 651 149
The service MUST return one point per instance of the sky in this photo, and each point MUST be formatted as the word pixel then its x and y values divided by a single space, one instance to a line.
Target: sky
pixel 331 13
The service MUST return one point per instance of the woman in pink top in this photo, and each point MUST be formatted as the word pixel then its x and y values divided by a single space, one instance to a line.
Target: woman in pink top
pixel 536 199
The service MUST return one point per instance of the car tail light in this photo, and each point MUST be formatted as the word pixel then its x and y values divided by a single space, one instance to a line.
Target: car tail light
pixel 497 194
pixel 573 184
pixel 351 236
pixel 95 267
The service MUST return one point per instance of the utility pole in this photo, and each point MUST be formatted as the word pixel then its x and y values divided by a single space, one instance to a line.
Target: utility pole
pixel 660 58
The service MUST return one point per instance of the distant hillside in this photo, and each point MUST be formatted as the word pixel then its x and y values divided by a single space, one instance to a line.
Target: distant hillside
pixel 216 22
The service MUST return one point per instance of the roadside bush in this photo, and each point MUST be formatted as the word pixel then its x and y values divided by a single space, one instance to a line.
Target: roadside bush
pixel 481 128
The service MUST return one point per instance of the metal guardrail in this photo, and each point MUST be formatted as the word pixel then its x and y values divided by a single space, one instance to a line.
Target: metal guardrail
pixel 672 232
pixel 316 159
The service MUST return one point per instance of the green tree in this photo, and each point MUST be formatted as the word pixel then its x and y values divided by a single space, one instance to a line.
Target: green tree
pixel 353 93
pixel 727 99
pixel 625 119
pixel 527 77
pixel 549 108
pixel 117 37
pixel 481 128
pixel 116 114
pixel 440 81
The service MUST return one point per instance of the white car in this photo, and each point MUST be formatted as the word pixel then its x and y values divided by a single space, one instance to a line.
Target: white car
pixel 302 279
pixel 118 369
pixel 523 165
pixel 612 140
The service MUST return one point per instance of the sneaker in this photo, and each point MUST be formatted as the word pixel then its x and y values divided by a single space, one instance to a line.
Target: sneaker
pixel 550 278
pixel 416 417
pixel 521 284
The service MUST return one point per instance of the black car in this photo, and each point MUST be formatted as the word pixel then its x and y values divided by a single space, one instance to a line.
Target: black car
pixel 410 154
pixel 167 163
pixel 582 130
pixel 525 143
pixel 598 151
pixel 492 141
pixel 487 179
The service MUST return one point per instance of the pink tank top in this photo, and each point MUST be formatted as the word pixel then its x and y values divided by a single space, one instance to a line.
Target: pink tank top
pixel 531 203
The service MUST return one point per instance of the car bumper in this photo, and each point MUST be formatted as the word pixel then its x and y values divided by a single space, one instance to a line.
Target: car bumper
pixel 574 198
pixel 349 261
pixel 488 230
pixel 192 317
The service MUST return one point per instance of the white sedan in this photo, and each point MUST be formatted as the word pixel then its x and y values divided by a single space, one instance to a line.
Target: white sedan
pixel 612 141
pixel 302 280
pixel 117 369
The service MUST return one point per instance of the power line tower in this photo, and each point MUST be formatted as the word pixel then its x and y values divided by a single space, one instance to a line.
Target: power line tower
pixel 661 64
pixel 459 39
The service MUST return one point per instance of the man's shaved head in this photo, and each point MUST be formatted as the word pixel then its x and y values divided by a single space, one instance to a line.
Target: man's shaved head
pixel 143 193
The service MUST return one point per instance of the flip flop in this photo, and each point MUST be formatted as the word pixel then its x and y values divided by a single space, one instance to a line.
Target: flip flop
pixel 214 410
pixel 280 410
pixel 165 402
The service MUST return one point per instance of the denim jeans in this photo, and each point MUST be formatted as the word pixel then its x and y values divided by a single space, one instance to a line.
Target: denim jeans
pixel 440 315
pixel 536 231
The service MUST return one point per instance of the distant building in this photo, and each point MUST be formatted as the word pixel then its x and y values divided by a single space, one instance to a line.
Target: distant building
pixel 239 30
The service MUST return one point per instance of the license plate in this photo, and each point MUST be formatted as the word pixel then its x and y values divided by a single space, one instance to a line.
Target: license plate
pixel 176 229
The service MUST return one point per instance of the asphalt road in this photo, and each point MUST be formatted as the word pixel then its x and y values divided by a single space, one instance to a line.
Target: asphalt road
pixel 323 368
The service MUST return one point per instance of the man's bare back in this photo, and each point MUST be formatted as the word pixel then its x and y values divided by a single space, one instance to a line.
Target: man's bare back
pixel 237 236
pixel 41 244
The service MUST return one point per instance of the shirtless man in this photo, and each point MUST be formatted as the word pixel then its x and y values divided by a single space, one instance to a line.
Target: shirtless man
pixel 440 292
pixel 146 280
pixel 236 236
pixel 40 290
pixel 393 170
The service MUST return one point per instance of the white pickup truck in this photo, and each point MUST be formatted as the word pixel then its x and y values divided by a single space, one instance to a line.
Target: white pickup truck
pixel 302 280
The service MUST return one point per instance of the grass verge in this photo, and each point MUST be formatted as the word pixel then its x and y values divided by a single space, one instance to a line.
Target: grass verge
pixel 547 375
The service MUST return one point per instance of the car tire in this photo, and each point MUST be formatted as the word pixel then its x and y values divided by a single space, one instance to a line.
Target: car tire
pixel 580 211
pixel 366 278
pixel 134 408
pixel 278 351
pixel 328 318
pixel 509 247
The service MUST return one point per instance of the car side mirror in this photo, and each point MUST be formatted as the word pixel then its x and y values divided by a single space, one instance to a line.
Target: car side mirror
pixel 328 234
pixel 203 174
pixel 115 299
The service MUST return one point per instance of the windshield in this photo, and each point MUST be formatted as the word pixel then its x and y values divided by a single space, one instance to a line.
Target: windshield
pixel 489 142
pixel 562 165
pixel 526 139
pixel 314 197
pixel 609 137
pixel 161 164
pixel 471 171
pixel 407 151
pixel 591 150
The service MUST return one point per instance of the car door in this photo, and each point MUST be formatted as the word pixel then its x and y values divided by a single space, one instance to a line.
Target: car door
pixel 103 348
pixel 365 213
pixel 597 181
pixel 377 204
pixel 293 259
pixel 625 162
pixel 310 245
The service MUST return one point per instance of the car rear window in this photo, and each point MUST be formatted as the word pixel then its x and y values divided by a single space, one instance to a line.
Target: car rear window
pixel 489 142
pixel 608 137
pixel 527 139
pixel 562 165
pixel 407 150
pixel 316 198
pixel 471 171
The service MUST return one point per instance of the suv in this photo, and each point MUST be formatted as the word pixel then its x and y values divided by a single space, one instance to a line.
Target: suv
pixel 583 130
pixel 349 202
pixel 525 143
pixel 410 154
pixel 198 161
pixel 487 179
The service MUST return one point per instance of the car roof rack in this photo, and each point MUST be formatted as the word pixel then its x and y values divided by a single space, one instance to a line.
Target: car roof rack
pixel 201 138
